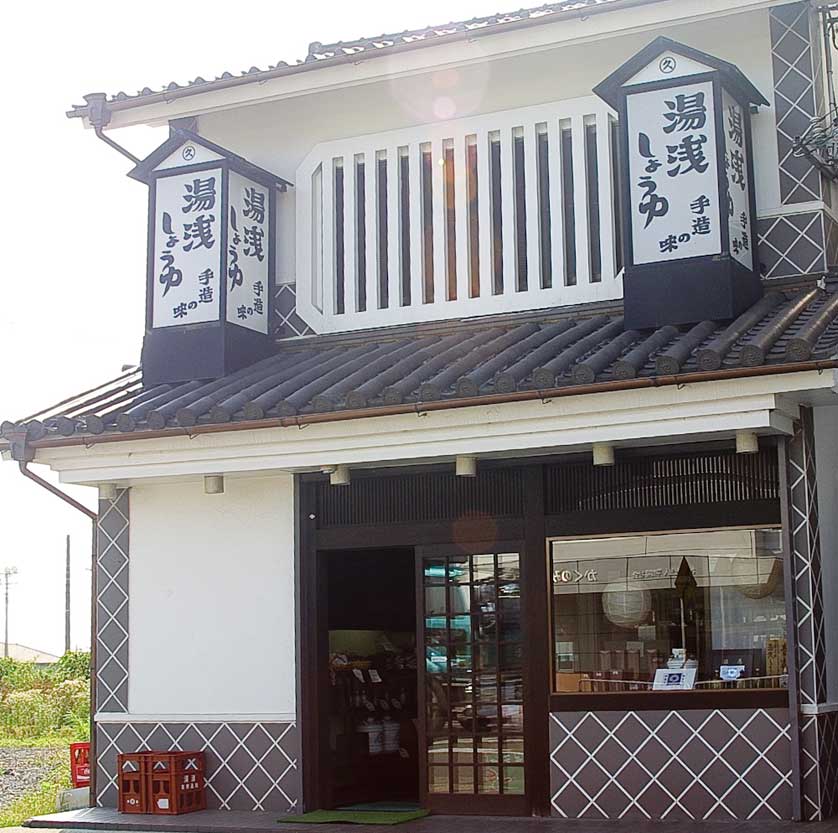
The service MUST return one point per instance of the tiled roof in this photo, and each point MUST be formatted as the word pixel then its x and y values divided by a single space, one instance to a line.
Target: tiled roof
pixel 327 375
pixel 327 54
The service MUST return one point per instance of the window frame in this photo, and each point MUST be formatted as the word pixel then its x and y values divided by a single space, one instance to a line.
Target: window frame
pixel 694 699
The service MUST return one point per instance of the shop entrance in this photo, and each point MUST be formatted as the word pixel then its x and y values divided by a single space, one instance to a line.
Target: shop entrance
pixel 372 736
pixel 425 694
pixel 421 590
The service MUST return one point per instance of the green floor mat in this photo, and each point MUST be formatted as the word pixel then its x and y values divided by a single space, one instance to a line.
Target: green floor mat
pixel 355 817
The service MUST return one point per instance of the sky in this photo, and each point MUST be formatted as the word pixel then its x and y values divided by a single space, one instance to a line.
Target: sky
pixel 73 226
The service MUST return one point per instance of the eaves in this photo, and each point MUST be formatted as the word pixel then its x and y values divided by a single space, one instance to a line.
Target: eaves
pixel 157 108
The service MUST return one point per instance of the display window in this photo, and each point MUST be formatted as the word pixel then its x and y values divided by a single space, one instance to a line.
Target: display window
pixel 671 611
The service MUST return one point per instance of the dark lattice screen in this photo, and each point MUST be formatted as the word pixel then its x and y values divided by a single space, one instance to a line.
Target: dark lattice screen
pixel 648 482
pixel 420 497
pixel 654 482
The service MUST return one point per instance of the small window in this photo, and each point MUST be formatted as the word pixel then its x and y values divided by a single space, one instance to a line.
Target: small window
pixel 701 610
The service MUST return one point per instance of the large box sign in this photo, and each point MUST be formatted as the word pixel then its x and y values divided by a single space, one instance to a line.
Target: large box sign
pixel 675 208
pixel 187 255
pixel 210 261
pixel 686 184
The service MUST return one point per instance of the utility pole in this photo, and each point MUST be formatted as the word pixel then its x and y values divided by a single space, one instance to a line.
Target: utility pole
pixel 67 602
pixel 8 572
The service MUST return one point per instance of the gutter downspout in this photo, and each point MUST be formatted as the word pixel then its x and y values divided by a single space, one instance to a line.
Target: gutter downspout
pixel 99 115
pixel 23 454
pixel 24 470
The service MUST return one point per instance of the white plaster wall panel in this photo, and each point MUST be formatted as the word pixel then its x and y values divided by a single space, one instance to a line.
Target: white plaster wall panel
pixel 826 453
pixel 212 598
pixel 278 134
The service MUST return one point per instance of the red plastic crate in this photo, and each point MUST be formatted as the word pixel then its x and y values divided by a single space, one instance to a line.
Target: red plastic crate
pixel 132 779
pixel 80 764
pixel 175 761
pixel 166 783
pixel 173 793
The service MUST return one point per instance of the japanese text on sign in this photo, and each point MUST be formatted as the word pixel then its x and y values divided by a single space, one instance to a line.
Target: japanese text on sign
pixel 736 169
pixel 186 257
pixel 673 173
pixel 247 254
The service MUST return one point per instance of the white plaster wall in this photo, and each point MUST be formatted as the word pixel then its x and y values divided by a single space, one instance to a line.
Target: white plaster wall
pixel 826 455
pixel 278 134
pixel 211 605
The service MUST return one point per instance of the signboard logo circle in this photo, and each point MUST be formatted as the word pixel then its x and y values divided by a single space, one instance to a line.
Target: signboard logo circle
pixel 667 65
pixel 189 152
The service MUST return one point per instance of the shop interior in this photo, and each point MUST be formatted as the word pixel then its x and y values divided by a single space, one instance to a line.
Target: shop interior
pixel 710 604
pixel 373 737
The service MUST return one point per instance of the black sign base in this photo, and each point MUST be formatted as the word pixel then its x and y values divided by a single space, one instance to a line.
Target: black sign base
pixel 200 352
pixel 687 292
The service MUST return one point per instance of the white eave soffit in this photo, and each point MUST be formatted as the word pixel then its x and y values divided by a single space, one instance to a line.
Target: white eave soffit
pixel 361 68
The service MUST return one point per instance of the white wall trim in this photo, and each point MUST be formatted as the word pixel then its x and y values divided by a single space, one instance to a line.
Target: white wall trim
pixel 277 717
pixel 818 708
pixel 672 413
pixel 796 208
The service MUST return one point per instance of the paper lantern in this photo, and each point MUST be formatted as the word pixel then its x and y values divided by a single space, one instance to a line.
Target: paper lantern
pixel 625 604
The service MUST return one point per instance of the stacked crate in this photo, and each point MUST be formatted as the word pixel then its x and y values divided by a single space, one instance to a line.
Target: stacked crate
pixel 132 783
pixel 163 783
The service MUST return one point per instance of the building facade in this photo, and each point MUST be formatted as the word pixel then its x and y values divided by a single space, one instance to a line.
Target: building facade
pixel 483 449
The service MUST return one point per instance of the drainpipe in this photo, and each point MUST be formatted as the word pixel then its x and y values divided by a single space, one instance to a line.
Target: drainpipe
pixel 24 470
pixel 99 115
pixel 24 454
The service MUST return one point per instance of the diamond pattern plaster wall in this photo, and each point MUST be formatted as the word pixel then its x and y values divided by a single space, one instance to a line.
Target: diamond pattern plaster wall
pixel 112 531
pixel 819 765
pixel 250 765
pixel 288 322
pixel 806 561
pixel 792 244
pixel 819 731
pixel 701 764
pixel 797 244
pixel 795 69
pixel 831 233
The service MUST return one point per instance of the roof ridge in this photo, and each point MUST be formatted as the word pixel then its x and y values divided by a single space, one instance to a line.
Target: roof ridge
pixel 339 51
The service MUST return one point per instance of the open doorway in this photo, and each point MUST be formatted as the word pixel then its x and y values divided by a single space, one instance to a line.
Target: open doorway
pixel 372 700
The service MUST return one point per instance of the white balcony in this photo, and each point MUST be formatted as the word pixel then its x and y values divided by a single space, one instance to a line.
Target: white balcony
pixel 509 211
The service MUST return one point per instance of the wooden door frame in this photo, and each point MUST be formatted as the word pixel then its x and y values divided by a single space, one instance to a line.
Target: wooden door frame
pixel 314 680
pixel 478 803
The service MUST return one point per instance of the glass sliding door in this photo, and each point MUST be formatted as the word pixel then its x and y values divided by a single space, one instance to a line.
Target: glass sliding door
pixel 471 680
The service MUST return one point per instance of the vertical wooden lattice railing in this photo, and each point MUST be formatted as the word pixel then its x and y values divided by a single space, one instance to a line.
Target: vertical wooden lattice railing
pixel 502 212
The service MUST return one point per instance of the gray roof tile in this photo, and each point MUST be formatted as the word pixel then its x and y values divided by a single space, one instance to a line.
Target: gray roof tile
pixel 461 361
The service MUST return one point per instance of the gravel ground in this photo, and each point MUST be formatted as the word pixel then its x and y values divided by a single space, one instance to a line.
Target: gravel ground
pixel 22 770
